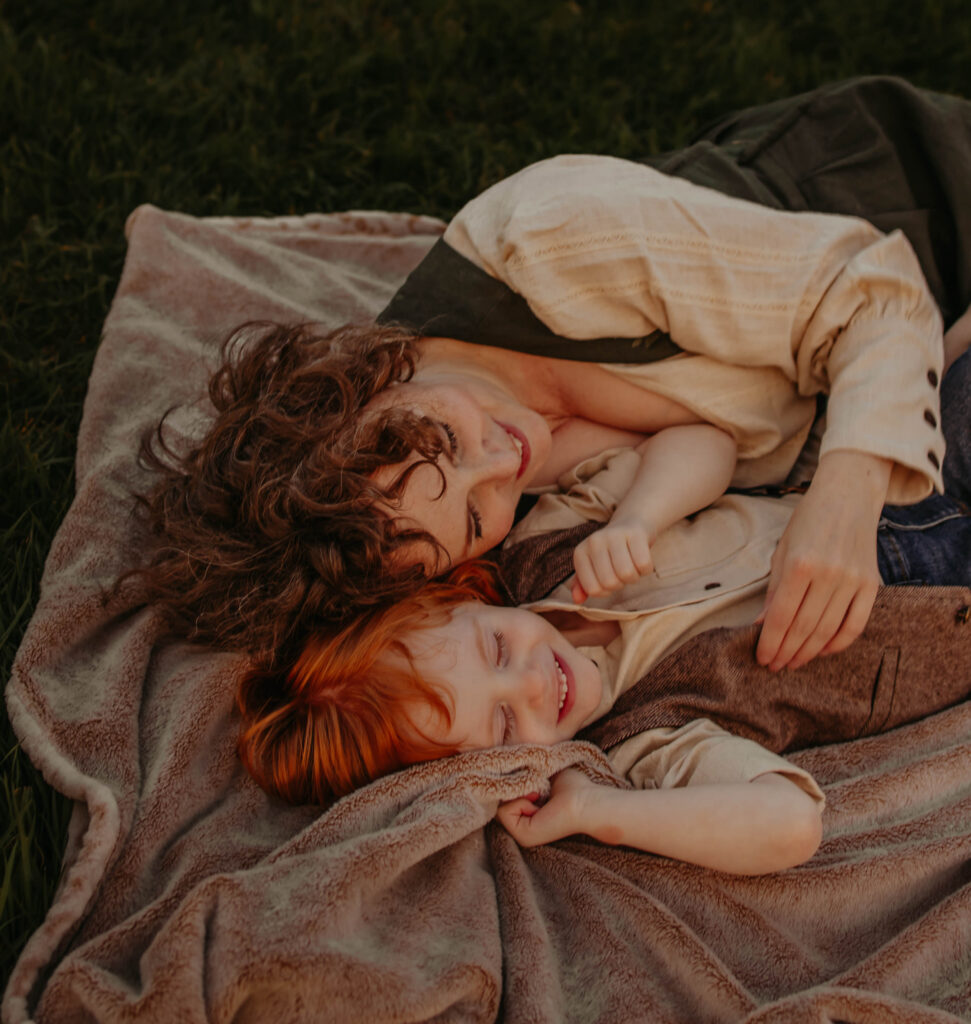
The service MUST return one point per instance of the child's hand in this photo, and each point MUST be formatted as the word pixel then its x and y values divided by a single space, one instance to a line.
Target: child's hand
pixel 532 824
pixel 618 553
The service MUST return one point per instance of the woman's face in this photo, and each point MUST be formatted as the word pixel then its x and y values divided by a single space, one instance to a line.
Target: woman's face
pixel 493 446
pixel 512 678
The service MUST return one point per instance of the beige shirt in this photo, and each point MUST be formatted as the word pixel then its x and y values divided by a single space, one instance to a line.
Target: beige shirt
pixel 710 571
pixel 773 308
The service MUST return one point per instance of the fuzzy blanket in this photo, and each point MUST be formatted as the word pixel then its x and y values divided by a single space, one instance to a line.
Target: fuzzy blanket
pixel 188 895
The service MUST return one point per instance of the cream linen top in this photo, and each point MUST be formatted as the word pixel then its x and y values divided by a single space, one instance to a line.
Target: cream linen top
pixel 771 308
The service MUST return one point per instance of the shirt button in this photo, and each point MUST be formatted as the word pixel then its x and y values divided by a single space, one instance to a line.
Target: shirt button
pixel 934 460
pixel 932 378
pixel 930 417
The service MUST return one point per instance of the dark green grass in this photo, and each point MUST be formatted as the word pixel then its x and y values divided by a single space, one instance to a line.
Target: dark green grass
pixel 278 106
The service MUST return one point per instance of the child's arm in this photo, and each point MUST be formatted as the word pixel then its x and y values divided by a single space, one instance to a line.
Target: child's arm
pixel 746 828
pixel 682 469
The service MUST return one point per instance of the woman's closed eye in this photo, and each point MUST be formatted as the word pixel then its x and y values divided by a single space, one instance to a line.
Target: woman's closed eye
pixel 475 523
pixel 474 528
pixel 453 444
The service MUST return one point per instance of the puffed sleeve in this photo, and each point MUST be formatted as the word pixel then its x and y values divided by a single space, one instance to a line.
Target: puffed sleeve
pixel 605 247
pixel 701 753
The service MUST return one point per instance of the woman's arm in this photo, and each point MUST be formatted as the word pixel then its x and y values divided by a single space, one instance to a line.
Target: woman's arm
pixel 600 247
pixel 746 828
pixel 682 469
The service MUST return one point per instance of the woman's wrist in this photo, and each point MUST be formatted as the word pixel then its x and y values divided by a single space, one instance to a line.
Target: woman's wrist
pixel 847 471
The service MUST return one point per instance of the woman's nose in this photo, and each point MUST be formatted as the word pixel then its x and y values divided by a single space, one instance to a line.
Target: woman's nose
pixel 493 463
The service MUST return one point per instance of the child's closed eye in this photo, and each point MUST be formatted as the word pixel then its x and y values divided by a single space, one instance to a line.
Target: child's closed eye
pixel 502 649
pixel 510 721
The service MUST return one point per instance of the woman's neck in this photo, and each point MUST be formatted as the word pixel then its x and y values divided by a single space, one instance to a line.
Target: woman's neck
pixel 532 380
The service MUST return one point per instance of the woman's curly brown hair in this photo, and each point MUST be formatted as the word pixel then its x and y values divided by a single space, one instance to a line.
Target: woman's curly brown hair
pixel 271 525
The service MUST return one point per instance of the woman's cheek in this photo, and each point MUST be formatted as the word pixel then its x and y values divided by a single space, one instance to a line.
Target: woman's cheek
pixel 501 522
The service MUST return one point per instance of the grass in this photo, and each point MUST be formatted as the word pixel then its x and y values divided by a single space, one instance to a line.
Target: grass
pixel 290 106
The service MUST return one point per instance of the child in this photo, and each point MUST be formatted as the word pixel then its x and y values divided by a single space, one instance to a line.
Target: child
pixel 445 672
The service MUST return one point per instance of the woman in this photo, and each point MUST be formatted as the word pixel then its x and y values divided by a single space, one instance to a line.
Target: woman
pixel 285 517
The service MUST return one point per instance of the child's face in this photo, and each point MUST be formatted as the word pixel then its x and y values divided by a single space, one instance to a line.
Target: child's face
pixel 512 676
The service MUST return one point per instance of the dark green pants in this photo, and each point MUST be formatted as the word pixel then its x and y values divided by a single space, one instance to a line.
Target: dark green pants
pixel 876 148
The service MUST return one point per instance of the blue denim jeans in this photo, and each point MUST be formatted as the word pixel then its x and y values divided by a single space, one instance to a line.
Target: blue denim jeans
pixel 930 543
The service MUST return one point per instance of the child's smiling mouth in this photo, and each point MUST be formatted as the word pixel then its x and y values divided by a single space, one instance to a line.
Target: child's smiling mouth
pixel 567 691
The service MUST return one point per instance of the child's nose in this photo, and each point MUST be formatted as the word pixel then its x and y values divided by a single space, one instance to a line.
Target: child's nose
pixel 535 684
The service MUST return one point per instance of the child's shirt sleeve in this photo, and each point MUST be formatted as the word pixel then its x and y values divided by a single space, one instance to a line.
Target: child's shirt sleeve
pixel 701 753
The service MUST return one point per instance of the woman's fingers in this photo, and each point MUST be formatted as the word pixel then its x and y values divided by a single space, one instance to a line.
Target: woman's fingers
pixel 818 621
pixel 854 622
pixel 806 616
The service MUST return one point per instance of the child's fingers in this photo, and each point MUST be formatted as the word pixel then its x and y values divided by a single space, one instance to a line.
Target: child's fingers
pixel 522 805
pixel 587 559
pixel 609 559
pixel 515 815
pixel 621 562
pixel 595 565
pixel 640 553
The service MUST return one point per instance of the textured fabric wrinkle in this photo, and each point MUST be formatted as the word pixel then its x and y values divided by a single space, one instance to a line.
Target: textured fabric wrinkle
pixel 708 247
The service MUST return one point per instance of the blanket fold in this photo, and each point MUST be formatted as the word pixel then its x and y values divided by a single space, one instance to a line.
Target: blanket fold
pixel 190 895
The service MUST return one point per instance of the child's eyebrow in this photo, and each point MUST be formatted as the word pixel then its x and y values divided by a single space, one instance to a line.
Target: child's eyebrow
pixel 481 643
pixel 482 646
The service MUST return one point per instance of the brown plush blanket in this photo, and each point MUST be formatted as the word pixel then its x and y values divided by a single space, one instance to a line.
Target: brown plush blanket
pixel 188 895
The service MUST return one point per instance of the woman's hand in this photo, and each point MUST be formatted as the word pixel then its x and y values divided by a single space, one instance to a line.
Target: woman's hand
pixel 824 574
pixel 533 824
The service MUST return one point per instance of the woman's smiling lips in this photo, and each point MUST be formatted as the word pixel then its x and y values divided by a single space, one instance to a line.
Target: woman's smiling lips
pixel 521 445
pixel 566 687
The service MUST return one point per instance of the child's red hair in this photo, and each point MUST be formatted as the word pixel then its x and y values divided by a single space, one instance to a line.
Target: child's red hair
pixel 341 715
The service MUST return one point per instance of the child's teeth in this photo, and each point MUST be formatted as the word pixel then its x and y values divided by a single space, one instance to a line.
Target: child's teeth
pixel 518 444
pixel 561 675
